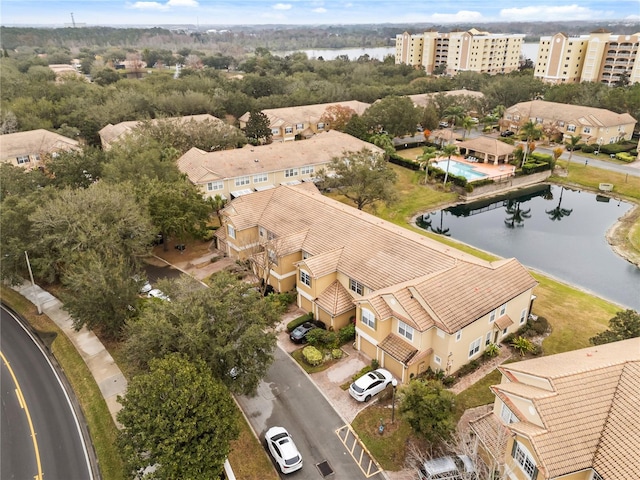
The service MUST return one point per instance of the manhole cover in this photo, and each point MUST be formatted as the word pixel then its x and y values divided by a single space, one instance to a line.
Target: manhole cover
pixel 325 468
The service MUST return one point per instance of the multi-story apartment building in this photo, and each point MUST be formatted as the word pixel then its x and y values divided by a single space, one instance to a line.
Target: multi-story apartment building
pixel 28 149
pixel 473 50
pixel 597 57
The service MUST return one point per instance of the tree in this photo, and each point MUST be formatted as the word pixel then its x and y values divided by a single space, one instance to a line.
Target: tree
pixel 467 124
pixel 75 169
pixel 574 140
pixel 385 142
pixel 225 325
pixel 258 130
pixel 101 292
pixel 396 115
pixel 454 115
pixel 428 154
pixel 447 151
pixel 429 408
pixel 337 116
pixel 531 132
pixel 626 324
pixel 178 420
pixel 357 128
pixel 363 177
pixel 217 203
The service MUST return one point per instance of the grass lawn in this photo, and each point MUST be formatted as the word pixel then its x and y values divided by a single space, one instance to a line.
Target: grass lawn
pixel 478 394
pixel 101 427
pixel 581 175
pixel 247 457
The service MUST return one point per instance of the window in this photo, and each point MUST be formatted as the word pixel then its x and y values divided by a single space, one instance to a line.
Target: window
pixel 299 126
pixel 487 339
pixel 260 178
pixel 288 130
pixel 507 415
pixel 561 123
pixel 523 458
pixel 356 286
pixel 503 309
pixel 405 330
pixel 306 170
pixel 586 129
pixel 291 172
pixel 474 347
pixel 523 316
pixel 275 131
pixel 240 181
pixel 320 126
pixel 368 318
pixel 23 159
pixel 214 186
pixel 458 335
pixel 305 278
pixel 231 231
pixel 492 316
pixel 504 332
pixel 437 359
pixel 273 257
pixel 571 128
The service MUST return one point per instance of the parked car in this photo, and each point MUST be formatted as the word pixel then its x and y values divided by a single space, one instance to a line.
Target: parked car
pixel 370 384
pixel 144 286
pixel 283 449
pixel 443 124
pixel 157 293
pixel 459 467
pixel 299 334
pixel 507 133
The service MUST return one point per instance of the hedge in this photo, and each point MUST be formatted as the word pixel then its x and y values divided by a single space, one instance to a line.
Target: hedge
pixel 312 356
pixel 403 162
pixel 617 147
pixel 439 174
pixel 625 157
pixel 293 324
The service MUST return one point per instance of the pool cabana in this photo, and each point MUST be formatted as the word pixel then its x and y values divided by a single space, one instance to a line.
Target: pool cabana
pixel 486 150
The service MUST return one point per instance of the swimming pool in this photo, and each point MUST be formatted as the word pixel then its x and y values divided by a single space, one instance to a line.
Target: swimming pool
pixel 460 169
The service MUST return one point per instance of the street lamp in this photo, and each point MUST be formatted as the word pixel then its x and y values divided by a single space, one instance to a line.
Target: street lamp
pixel 394 384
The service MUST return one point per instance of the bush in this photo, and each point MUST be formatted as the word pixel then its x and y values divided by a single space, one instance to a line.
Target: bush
pixel 347 334
pixel 539 326
pixel 283 299
pixel 362 372
pixel 589 149
pixel 610 148
pixel 312 356
pixel 375 364
pixel 322 338
pixel 403 162
pixel 523 345
pixel 625 157
pixel 293 324
pixel 481 182
pixel 466 369
pixel 336 353
pixel 448 381
pixel 491 351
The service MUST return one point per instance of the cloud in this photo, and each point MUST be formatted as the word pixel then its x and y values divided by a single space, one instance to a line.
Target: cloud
pixel 461 16
pixel 319 10
pixel 182 3
pixel 551 12
pixel 149 6
pixel 282 6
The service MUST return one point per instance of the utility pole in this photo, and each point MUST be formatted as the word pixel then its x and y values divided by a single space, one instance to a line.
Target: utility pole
pixel 73 22
pixel 33 284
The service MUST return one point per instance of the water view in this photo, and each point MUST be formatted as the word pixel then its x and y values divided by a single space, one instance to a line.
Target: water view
pixel 552 229
pixel 460 169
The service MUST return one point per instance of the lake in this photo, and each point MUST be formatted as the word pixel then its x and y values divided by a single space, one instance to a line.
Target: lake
pixel 551 229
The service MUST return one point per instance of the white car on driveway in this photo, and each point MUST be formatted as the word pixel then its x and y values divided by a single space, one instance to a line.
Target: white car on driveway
pixel 370 384
pixel 283 450
pixel 157 293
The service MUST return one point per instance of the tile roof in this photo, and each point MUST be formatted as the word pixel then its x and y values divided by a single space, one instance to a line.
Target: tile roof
pixel 586 116
pixel 504 322
pixel 304 113
pixel 201 166
pixel 335 299
pixel 493 434
pixel 489 145
pixel 398 348
pixel 453 287
pixel 34 142
pixel 590 414
pixel 423 99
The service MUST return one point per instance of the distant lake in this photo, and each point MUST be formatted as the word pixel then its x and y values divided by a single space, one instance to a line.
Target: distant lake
pixel 552 229
pixel 529 50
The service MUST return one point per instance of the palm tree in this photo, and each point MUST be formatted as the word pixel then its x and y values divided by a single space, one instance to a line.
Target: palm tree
pixel 454 114
pixel 467 124
pixel 447 151
pixel 559 213
pixel 573 143
pixel 516 214
pixel 217 203
pixel 440 230
pixel 531 132
pixel 428 154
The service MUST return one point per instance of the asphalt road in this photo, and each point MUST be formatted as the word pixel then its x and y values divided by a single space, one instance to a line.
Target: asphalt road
pixel 40 433
pixel 288 398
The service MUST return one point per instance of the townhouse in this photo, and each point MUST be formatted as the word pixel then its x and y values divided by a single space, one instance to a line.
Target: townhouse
pixel 594 125
pixel 473 50
pixel 291 123
pixel 416 303
pixel 232 173
pixel 28 149
pixel 572 415
pixel 598 57
pixel 113 133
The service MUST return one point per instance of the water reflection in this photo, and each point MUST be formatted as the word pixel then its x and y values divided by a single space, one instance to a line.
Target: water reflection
pixel 554 229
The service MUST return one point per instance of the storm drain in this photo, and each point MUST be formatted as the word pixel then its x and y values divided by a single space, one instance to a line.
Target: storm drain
pixel 325 468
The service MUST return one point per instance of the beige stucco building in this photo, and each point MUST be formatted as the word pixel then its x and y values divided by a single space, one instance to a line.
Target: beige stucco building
pixel 570 416
pixel 28 149
pixel 303 121
pixel 416 302
pixel 232 173
pixel 597 57
pixel 473 50
pixel 594 125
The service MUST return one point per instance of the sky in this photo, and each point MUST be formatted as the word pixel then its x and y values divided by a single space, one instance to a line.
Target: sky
pixel 305 12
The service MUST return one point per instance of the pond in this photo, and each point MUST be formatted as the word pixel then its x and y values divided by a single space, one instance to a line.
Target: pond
pixel 549 228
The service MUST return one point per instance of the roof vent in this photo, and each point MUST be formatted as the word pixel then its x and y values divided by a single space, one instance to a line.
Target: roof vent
pixel 255 159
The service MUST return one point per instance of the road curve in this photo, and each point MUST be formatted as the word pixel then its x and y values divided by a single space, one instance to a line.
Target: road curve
pixel 41 436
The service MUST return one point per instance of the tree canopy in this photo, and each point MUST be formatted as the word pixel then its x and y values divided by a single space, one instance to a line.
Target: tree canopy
pixel 257 129
pixel 397 115
pixel 177 421
pixel 429 408
pixel 626 324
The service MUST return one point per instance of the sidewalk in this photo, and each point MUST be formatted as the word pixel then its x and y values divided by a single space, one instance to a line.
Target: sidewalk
pixel 106 373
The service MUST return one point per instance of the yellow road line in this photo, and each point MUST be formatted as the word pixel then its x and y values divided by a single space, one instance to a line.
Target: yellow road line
pixel 23 403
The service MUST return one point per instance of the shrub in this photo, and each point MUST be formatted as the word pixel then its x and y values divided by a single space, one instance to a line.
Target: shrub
pixel 403 162
pixel 469 188
pixel 322 338
pixel 523 345
pixel 283 299
pixel 625 157
pixel 540 326
pixel 336 353
pixel 610 148
pixel 362 372
pixel 589 149
pixel 312 356
pixel 466 369
pixel 347 334
pixel 448 381
pixel 293 324
pixel 491 351
pixel 508 339
pixel 375 364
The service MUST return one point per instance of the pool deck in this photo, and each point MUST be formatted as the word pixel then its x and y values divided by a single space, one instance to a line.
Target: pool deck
pixel 489 169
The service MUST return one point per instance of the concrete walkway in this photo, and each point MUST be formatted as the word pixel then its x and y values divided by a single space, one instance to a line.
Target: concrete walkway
pixel 106 373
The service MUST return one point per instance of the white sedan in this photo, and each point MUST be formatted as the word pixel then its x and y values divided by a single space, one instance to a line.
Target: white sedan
pixel 283 450
pixel 370 384
pixel 157 293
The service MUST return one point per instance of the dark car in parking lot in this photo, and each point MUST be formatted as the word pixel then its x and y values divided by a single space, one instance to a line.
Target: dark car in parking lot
pixel 299 334
pixel 507 133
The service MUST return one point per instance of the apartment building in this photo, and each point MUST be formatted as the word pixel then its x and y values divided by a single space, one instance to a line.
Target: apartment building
pixel 28 149
pixel 570 416
pixel 416 302
pixel 473 50
pixel 598 57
